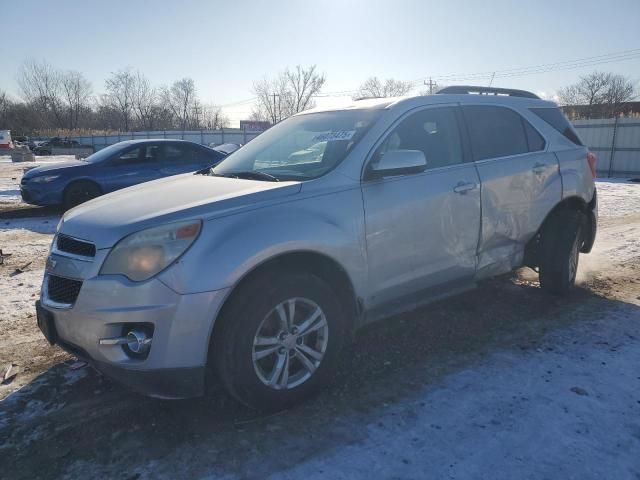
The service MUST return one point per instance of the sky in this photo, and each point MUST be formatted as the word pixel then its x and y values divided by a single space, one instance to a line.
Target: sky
pixel 227 46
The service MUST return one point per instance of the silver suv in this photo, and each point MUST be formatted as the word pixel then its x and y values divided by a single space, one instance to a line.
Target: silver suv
pixel 256 272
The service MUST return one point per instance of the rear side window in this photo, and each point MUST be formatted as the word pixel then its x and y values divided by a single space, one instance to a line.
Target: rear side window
pixel 555 118
pixel 495 131
pixel 534 139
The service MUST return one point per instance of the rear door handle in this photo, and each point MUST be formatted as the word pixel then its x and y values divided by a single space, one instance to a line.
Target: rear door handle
pixel 539 168
pixel 464 187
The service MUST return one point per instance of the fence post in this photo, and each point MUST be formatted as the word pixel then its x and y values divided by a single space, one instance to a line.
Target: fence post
pixel 244 134
pixel 119 136
pixel 201 137
pixel 222 132
pixel 613 147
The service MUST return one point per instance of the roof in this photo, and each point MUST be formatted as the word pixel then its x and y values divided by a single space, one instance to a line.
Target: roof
pixel 156 140
pixel 420 100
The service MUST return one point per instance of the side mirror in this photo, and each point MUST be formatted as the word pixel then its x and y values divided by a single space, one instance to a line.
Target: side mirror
pixel 398 162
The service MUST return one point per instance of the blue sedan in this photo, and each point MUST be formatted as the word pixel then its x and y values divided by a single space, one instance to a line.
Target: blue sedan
pixel 112 168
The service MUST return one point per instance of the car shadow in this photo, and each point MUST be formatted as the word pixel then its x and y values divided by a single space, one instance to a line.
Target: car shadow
pixel 35 219
pixel 66 419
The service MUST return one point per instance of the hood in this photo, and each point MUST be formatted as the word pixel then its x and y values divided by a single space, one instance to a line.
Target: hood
pixel 34 172
pixel 105 220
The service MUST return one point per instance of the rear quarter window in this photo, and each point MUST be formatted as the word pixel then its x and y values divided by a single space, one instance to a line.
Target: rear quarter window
pixel 554 117
pixel 495 131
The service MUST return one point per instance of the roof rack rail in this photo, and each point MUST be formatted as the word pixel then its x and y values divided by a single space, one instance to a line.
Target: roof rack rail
pixel 470 89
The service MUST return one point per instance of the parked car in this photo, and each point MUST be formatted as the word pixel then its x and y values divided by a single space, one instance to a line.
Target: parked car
pixel 226 148
pixel 112 168
pixel 258 272
pixel 46 147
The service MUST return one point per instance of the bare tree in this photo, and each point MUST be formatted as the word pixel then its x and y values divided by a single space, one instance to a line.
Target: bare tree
pixel 303 84
pixel 620 91
pixel 40 86
pixel 373 87
pixel 5 105
pixel 144 101
pixel 181 98
pixel 120 88
pixel 290 92
pixel 76 92
pixel 213 118
pixel 606 90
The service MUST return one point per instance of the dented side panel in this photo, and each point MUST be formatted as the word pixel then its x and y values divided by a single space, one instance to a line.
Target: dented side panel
pixel 517 194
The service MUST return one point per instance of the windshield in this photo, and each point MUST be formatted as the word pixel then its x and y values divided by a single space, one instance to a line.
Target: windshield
pixel 301 147
pixel 105 153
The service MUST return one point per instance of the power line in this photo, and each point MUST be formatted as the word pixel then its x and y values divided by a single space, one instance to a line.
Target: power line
pixel 490 75
pixel 548 67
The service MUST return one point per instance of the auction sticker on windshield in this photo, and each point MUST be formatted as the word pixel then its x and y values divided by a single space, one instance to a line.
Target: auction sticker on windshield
pixel 332 136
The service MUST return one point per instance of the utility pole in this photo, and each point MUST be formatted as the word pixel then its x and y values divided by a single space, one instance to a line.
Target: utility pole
pixel 196 112
pixel 492 75
pixel 275 116
pixel 431 85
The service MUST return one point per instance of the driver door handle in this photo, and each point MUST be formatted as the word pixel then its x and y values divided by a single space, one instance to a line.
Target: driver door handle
pixel 539 168
pixel 464 187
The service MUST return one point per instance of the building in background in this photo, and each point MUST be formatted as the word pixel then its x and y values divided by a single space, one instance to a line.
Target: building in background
pixel 602 110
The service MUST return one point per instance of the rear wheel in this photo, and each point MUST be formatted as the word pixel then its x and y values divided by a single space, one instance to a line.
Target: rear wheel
pixel 80 192
pixel 560 245
pixel 279 340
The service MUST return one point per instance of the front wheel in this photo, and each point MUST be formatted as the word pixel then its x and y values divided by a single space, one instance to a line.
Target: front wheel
pixel 80 192
pixel 279 341
pixel 560 246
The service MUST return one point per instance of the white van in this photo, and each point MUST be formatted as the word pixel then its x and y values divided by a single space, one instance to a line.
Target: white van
pixel 5 139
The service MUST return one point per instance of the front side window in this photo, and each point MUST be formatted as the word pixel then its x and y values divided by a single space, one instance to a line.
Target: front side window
pixel 433 131
pixel 302 147
pixel 495 131
pixel 130 156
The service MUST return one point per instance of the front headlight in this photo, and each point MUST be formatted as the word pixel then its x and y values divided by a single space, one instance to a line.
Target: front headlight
pixel 45 178
pixel 144 254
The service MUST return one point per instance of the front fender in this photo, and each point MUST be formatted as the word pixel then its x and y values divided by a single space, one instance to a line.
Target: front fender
pixel 230 247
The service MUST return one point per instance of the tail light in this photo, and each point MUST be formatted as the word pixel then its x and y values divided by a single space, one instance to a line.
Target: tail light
pixel 592 159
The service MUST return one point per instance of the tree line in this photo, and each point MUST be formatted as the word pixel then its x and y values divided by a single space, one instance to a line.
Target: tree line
pixel 55 100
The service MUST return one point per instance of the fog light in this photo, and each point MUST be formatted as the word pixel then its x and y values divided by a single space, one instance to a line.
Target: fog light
pixel 138 342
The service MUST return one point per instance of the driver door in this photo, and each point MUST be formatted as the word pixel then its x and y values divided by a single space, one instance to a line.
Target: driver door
pixel 422 229
pixel 136 165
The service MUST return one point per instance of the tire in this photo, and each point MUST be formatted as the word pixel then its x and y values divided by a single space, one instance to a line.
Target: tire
pixel 79 192
pixel 252 313
pixel 560 244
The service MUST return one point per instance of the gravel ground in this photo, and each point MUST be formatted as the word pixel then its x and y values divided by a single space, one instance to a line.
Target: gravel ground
pixel 500 382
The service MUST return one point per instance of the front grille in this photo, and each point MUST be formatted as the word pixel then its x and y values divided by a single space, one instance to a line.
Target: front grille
pixel 63 290
pixel 77 247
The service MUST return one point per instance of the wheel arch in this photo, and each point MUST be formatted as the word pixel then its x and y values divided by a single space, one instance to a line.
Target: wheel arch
pixel 318 264
pixel 77 180
pixel 573 202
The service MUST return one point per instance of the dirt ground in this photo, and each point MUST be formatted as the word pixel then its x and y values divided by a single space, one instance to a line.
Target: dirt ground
pixel 501 382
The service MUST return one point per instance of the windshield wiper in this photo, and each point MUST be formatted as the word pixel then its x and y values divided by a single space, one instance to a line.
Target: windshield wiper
pixel 249 175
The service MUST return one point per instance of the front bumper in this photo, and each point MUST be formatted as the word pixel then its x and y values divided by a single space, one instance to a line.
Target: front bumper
pixel 106 305
pixel 44 194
